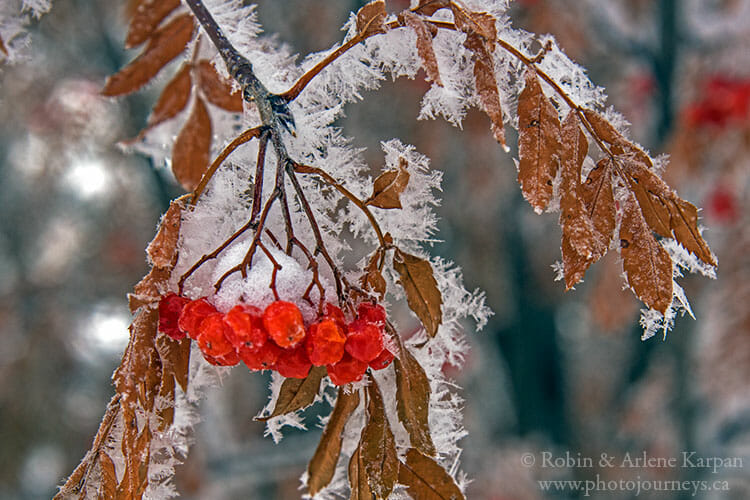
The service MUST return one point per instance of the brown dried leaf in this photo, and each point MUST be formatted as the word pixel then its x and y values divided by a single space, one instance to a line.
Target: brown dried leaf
pixel 387 188
pixel 297 393
pixel 484 79
pixel 108 485
pixel 173 98
pixel 424 44
pixel 323 462
pixel 425 479
pixel 684 222
pixel 599 201
pixel 136 359
pixel 664 211
pixel 538 143
pixel 149 382
pixel 175 358
pixel 165 412
pixel 217 90
pixel 149 289
pixel 610 135
pixel 373 278
pixel 413 401
pixel 479 23
pixel 358 483
pixel 166 44
pixel 429 7
pixel 651 193
pixel 3 49
pixel 137 458
pixel 422 293
pixel 147 16
pixel 646 263
pixel 371 18
pixel 190 155
pixel 579 248
pixel 378 447
pixel 163 248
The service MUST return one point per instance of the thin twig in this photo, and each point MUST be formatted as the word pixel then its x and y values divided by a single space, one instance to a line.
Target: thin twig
pixel 244 137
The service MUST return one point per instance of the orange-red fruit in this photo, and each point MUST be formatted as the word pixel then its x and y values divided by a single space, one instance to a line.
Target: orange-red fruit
pixel 284 324
pixel 245 327
pixel 212 336
pixel 364 340
pixel 170 307
pixel 372 313
pixel 334 313
pixel 325 342
pixel 293 363
pixel 192 315
pixel 230 359
pixel 346 370
pixel 263 358
pixel 384 359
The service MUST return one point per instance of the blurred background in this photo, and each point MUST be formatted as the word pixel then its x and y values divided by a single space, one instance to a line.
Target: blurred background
pixel 553 372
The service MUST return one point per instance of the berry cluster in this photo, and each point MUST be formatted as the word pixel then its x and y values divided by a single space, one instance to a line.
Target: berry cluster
pixel 277 339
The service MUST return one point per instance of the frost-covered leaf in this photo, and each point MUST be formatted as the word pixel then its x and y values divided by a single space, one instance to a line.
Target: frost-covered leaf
pixel 190 155
pixel 323 463
pixel 579 249
pixel 486 84
pixel 422 293
pixel 665 212
pixel 387 188
pixel 684 222
pixel 147 16
pixel 371 18
pixel 413 401
pixel 646 263
pixel 137 457
pixel 173 98
pixel 378 447
pixel 429 7
pixel 425 33
pixel 358 484
pixel 108 485
pixel 538 143
pixel 297 393
pixel 217 90
pixel 373 278
pixel 175 357
pixel 609 134
pixel 163 248
pixel 425 479
pixel 166 44
pixel 599 201
pixel 478 23
pixel 149 289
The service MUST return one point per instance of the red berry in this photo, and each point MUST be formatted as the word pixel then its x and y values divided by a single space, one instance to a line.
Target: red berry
pixel 364 340
pixel 170 307
pixel 263 358
pixel 246 327
pixel 325 342
pixel 212 336
pixel 230 359
pixel 293 363
pixel 384 359
pixel 346 370
pixel 335 313
pixel 192 315
pixel 373 313
pixel 284 324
